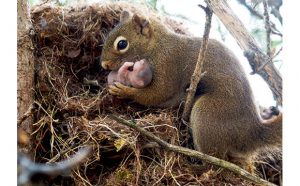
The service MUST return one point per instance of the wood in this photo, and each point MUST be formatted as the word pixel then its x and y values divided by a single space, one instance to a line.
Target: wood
pixel 193 153
pixel 247 43
pixel 197 74
pixel 28 168
pixel 268 28
pixel 25 66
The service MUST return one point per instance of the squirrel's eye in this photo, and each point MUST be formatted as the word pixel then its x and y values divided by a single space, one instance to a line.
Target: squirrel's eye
pixel 121 44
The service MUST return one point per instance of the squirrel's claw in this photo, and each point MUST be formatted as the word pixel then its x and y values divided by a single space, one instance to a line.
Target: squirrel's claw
pixel 120 90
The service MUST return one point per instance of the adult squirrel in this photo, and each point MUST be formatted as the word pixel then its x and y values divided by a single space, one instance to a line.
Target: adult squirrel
pixel 224 119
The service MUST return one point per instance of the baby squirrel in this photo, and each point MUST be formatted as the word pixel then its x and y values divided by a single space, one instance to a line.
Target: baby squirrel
pixel 137 74
pixel 224 119
pixel 267 113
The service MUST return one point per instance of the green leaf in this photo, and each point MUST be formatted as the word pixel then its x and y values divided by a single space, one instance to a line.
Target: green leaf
pixel 119 144
pixel 276 43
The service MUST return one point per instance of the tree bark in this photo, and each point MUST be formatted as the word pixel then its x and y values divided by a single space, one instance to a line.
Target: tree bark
pixel 259 61
pixel 25 65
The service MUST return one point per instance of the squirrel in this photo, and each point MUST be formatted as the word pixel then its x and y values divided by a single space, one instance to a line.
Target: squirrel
pixel 137 74
pixel 224 120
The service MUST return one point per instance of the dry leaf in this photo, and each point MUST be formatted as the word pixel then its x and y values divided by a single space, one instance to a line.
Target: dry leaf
pixel 73 53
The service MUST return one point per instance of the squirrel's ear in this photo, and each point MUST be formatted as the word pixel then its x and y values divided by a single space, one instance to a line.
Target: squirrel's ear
pixel 124 16
pixel 142 25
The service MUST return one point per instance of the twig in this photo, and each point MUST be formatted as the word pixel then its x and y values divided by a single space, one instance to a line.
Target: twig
pixel 28 168
pixel 193 153
pixel 277 53
pixel 197 75
pixel 268 36
pixel 258 15
pixel 268 29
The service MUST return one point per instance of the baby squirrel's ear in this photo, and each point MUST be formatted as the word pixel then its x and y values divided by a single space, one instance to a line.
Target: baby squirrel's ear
pixel 124 16
pixel 142 25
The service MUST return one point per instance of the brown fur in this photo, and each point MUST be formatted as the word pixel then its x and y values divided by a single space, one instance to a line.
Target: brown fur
pixel 224 118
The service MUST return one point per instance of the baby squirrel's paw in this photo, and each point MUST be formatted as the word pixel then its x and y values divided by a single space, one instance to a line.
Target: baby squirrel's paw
pixel 121 91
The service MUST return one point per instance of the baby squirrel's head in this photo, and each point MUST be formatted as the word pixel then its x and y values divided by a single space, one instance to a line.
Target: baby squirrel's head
pixel 128 41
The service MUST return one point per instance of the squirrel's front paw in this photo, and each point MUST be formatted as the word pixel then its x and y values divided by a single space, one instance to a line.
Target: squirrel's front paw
pixel 121 91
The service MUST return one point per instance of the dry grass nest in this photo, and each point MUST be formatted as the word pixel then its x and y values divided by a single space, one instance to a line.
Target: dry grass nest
pixel 73 105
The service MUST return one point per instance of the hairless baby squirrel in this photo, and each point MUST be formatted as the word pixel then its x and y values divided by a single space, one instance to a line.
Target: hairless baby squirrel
pixel 132 74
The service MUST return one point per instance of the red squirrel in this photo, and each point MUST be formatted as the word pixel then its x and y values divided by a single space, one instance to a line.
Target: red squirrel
pixel 224 120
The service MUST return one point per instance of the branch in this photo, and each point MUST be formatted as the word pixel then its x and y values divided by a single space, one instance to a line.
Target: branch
pixel 197 75
pixel 268 35
pixel 268 28
pixel 247 43
pixel 193 153
pixel 258 15
pixel 28 168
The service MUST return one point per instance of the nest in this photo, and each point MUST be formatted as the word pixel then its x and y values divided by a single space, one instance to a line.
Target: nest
pixel 73 105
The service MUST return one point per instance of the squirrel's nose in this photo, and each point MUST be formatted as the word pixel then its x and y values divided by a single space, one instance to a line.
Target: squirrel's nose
pixel 105 64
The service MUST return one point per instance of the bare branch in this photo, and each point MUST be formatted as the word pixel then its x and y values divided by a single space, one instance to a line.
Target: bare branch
pixel 193 153
pixel 197 75
pixel 258 15
pixel 268 29
pixel 268 36
pixel 28 168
